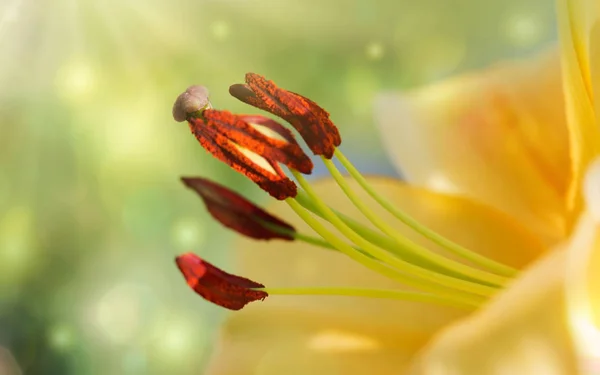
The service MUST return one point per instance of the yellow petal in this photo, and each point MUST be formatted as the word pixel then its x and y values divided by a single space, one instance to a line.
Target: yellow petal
pixel 523 331
pixel 498 136
pixel 281 328
pixel 274 341
pixel 583 278
pixel 583 287
pixel 547 322
pixel 580 56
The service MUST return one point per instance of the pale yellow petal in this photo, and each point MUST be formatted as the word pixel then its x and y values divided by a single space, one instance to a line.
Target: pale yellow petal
pixel 547 322
pixel 524 330
pixel 583 278
pixel 282 325
pixel 271 341
pixel 579 35
pixel 498 136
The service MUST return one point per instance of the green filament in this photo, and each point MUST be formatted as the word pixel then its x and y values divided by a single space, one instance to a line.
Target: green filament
pixel 376 266
pixel 372 293
pixel 499 268
pixel 385 256
pixel 405 243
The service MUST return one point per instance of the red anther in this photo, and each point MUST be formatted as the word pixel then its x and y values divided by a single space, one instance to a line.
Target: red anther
pixel 309 119
pixel 251 152
pixel 236 212
pixel 217 286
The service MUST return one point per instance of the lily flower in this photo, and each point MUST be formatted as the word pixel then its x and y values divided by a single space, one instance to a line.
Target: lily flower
pixel 485 261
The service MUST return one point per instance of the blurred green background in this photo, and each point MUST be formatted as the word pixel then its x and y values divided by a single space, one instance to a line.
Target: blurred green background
pixel 92 210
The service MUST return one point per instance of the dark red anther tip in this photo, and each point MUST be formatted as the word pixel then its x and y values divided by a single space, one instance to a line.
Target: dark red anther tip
pixel 237 213
pixel 217 286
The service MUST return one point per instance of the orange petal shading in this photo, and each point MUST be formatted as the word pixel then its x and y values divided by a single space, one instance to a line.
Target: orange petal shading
pixel 236 212
pixel 311 121
pixel 217 286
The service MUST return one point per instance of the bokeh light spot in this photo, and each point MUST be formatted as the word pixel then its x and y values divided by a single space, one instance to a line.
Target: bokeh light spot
pixel 61 337
pixel 131 132
pixel 188 233
pixel 76 80
pixel 374 51
pixel 117 314
pixel 341 341
pixel 361 85
pixel 16 244
pixel 220 30
pixel 439 181
pixel 437 56
pixel 177 337
pixel 523 30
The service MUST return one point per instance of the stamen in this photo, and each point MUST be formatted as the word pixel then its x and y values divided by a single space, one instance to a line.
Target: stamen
pixel 379 239
pixel 421 273
pixel 266 95
pixel 236 212
pixel 405 243
pixel 492 265
pixel 217 286
pixel 311 121
pixel 444 300
pixel 256 146
pixel 381 268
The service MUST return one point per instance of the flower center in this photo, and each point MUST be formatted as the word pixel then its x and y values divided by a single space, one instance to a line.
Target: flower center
pixel 255 146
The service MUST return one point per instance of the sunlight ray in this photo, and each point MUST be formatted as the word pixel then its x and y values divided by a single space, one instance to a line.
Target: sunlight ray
pixel 75 31
pixel 169 32
pixel 8 15
pixel 128 51
pixel 46 59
